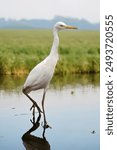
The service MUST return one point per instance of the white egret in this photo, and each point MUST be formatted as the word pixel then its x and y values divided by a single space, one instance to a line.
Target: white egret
pixel 41 75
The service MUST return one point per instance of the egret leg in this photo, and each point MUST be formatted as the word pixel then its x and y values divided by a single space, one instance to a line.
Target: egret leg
pixel 43 109
pixel 34 104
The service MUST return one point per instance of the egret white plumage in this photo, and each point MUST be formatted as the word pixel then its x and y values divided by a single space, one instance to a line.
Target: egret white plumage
pixel 41 75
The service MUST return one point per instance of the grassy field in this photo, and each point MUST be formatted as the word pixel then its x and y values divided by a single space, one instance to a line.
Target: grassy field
pixel 21 50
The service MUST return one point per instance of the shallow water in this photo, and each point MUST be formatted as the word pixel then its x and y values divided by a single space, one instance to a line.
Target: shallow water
pixel 72 110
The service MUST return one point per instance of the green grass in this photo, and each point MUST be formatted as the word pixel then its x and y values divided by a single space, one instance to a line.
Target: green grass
pixel 21 50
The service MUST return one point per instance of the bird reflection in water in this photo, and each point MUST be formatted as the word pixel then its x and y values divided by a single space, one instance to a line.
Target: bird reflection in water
pixel 32 142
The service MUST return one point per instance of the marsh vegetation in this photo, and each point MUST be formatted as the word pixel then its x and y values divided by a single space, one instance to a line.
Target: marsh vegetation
pixel 21 50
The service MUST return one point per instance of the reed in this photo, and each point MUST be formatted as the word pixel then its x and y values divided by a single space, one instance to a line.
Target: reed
pixel 21 50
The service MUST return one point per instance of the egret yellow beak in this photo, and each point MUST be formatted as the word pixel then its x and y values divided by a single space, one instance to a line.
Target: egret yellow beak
pixel 70 27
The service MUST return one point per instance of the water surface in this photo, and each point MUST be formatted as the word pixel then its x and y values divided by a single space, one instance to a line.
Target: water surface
pixel 72 110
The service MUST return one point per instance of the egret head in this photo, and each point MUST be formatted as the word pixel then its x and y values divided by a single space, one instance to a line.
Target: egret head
pixel 61 26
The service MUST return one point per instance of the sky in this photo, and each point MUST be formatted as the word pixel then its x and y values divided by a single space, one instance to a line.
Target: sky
pixel 48 9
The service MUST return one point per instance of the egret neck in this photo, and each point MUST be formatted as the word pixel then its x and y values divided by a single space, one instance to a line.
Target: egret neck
pixel 54 49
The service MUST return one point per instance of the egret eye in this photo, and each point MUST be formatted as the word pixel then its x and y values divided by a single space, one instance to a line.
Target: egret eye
pixel 61 25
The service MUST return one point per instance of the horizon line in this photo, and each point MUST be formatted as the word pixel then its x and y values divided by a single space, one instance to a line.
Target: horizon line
pixel 57 16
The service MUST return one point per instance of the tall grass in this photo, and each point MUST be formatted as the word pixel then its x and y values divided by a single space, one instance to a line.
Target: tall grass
pixel 21 50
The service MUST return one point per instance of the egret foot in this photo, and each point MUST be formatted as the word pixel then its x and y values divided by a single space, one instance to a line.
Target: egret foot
pixel 33 107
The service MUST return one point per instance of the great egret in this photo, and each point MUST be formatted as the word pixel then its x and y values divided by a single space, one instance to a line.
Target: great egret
pixel 41 75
